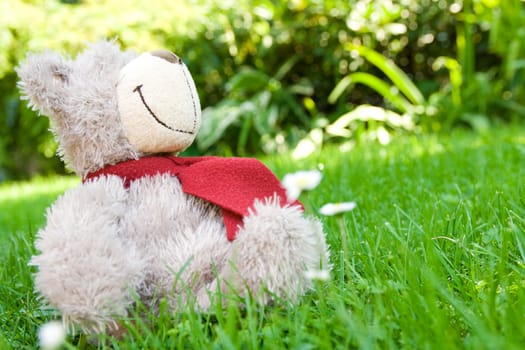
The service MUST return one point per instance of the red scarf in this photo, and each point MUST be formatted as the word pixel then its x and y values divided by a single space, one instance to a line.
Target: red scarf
pixel 233 184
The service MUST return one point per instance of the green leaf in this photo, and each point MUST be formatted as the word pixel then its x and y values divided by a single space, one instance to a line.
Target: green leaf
pixel 393 72
pixel 248 80
pixel 215 121
pixel 243 135
pixel 265 121
pixel 3 343
pixel 286 67
pixel 387 91
pixel 512 106
pixel 456 78
pixel 338 90
pixel 303 87
pixel 368 113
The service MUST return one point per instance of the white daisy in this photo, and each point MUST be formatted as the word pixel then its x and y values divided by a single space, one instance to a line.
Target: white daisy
pixel 51 335
pixel 299 181
pixel 321 275
pixel 330 209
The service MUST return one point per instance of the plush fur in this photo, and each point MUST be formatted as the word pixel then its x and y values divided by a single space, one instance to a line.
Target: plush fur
pixel 80 100
pixel 105 245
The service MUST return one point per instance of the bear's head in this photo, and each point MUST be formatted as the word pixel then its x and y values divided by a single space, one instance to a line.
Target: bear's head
pixel 107 106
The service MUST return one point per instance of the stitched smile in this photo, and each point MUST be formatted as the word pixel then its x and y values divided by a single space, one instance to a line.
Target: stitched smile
pixel 138 89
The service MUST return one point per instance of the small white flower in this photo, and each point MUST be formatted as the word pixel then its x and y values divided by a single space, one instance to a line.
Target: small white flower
pixel 297 182
pixel 321 275
pixel 330 209
pixel 51 335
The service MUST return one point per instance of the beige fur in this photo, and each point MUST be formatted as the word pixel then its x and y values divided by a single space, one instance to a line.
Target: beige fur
pixel 104 245
pixel 79 98
pixel 153 233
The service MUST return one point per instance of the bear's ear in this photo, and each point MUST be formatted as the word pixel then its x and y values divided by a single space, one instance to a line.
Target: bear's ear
pixel 43 82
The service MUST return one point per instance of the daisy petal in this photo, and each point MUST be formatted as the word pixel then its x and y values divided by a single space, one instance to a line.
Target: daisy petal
pixel 330 209
pixel 292 193
pixel 51 335
pixel 297 182
pixel 321 275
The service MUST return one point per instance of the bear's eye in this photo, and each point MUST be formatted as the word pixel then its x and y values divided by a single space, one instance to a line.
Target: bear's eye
pixel 167 55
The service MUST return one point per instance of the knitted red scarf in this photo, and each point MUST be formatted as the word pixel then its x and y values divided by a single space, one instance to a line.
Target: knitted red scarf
pixel 230 183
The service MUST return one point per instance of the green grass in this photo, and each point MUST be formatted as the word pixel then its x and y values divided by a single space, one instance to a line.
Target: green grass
pixel 22 212
pixel 23 204
pixel 433 256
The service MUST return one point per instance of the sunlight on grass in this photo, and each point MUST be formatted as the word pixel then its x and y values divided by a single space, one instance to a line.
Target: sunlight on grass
pixel 36 187
pixel 433 221
pixel 22 205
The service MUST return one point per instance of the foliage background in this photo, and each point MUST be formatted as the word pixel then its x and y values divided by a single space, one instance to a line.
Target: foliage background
pixel 266 70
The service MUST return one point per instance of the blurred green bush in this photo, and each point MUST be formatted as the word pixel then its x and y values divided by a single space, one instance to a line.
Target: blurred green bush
pixel 266 70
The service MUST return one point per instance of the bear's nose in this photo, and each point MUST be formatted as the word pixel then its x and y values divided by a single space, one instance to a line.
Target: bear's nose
pixel 167 55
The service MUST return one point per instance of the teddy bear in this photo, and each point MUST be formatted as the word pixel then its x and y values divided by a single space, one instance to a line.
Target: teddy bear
pixel 146 224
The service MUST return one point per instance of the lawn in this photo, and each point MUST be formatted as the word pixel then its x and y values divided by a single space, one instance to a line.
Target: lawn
pixel 432 257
